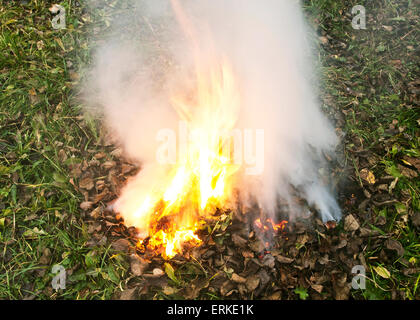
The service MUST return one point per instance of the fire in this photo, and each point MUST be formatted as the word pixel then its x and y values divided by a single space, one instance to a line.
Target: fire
pixel 173 211
pixel 270 225
pixel 203 182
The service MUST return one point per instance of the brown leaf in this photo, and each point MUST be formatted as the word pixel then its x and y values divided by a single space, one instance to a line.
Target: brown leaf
pixel 341 288
pixel 415 219
pixel 86 183
pixel 46 257
pixel 317 287
pixel 126 168
pixel 157 272
pixel 96 213
pixel 108 164
pixel 121 245
pixel 257 246
pixel 100 155
pixel 407 172
pixel 86 205
pixel 238 278
pixel 252 282
pixel 275 296
pixel 247 254
pixel 128 294
pixel 138 265
pixel 268 261
pixel 395 245
pixel 412 161
pixel 239 241
pixel 350 223
pixel 101 196
pixel 283 259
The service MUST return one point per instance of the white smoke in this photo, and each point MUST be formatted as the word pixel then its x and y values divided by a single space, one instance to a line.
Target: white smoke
pixel 267 43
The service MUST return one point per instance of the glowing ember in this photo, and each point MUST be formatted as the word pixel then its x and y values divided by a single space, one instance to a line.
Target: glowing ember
pixel 172 211
pixel 270 225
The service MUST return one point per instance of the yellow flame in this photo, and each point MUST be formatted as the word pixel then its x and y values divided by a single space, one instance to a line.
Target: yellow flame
pixel 193 189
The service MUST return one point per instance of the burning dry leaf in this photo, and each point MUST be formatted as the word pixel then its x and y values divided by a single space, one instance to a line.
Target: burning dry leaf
pixel 330 224
pixel 368 176
pixel 350 223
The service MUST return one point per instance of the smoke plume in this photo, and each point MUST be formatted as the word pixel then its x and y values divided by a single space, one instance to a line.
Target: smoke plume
pixel 150 52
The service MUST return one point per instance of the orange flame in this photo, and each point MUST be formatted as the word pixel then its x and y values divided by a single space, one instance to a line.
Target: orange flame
pixel 172 212
pixel 276 227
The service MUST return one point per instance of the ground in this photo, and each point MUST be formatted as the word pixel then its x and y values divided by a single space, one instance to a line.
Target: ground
pixel 57 173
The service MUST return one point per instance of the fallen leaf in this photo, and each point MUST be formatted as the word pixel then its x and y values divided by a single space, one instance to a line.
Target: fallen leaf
pixel 283 259
pixel 395 245
pixel 350 223
pixel 86 183
pixel 138 265
pixel 46 257
pixel 121 245
pixel 238 278
pixel 382 271
pixel 86 205
pixel 407 172
pixel 128 294
pixel 368 176
pixel 169 270
pixel 252 282
pixel 158 272
pixel 317 287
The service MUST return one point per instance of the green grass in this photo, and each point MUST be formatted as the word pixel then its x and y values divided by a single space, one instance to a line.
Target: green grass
pixel 42 133
pixel 365 81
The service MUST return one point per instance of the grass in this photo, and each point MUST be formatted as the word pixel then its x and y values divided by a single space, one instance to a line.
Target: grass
pixel 42 133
